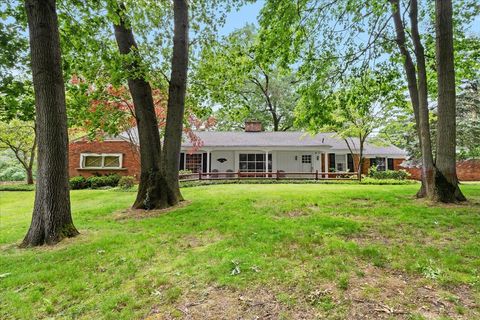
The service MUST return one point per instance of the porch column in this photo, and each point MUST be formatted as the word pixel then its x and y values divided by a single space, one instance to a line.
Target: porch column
pixel 208 161
pixel 346 163
pixel 326 161
pixel 266 161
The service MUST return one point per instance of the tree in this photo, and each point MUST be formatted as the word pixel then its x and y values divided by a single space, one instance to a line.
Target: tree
pixel 176 99
pixel 159 187
pixel 360 36
pixel 151 191
pixel 353 111
pixel 446 181
pixel 417 86
pixel 19 137
pixel 231 73
pixel 468 120
pixel 51 219
pixel 400 129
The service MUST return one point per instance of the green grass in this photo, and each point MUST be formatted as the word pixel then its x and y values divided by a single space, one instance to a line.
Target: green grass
pixel 313 246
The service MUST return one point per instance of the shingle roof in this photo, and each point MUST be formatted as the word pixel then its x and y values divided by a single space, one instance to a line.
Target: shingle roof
pixel 280 139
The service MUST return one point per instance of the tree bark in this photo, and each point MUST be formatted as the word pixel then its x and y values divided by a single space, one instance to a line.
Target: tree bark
pixel 152 188
pixel 411 75
pixel 51 219
pixel 176 99
pixel 446 181
pixel 29 168
pixel 428 167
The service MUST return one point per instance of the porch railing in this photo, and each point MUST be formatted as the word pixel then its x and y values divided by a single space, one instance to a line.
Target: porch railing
pixel 276 175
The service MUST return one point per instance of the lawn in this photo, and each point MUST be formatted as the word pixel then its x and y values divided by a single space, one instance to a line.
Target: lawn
pixel 266 251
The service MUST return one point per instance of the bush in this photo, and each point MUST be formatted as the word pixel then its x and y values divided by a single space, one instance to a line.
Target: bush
pixel 185 172
pixel 373 181
pixel 96 182
pixel 77 183
pixel 126 182
pixel 374 173
pixel 17 187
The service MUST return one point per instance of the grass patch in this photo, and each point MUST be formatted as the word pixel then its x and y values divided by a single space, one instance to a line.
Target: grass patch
pixel 334 251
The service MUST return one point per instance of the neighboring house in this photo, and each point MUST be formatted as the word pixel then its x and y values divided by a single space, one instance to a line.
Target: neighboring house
pixel 250 151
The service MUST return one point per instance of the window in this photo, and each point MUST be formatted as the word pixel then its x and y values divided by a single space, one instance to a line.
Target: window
pixel 350 164
pixel 193 162
pixel 379 163
pixel 101 161
pixel 340 162
pixel 254 162
pixel 306 158
pixel 390 164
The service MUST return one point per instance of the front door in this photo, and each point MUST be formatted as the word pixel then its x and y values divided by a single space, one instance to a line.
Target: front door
pixel 306 163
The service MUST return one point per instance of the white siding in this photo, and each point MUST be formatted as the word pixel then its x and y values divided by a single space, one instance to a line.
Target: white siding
pixel 227 165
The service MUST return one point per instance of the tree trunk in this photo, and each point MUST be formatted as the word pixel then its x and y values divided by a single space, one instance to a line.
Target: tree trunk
pixel 428 167
pixel 29 168
pixel 446 181
pixel 52 219
pixel 360 158
pixel 176 99
pixel 152 187
pixel 411 76
pixel 29 176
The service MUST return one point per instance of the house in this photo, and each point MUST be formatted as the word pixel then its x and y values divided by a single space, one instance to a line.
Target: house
pixel 252 150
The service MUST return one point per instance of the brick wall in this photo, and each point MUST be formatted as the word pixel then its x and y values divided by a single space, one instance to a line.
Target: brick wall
pixel 130 162
pixel 468 170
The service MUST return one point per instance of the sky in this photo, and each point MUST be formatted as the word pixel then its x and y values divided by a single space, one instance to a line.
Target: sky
pixel 237 19
pixel 249 14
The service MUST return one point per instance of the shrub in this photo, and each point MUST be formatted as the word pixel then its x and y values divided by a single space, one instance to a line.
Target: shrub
pixel 126 182
pixel 77 183
pixel 110 180
pixel 185 172
pixel 374 173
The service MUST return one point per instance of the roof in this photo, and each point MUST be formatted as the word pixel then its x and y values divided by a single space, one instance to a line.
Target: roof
pixel 239 139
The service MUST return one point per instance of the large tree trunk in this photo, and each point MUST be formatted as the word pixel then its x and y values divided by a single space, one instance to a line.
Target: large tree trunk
pixel 446 181
pixel 411 76
pixel 428 167
pixel 152 192
pixel 52 219
pixel 176 99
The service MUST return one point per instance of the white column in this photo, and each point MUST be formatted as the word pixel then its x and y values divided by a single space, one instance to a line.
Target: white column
pixel 266 161
pixel 346 163
pixel 326 161
pixel 208 161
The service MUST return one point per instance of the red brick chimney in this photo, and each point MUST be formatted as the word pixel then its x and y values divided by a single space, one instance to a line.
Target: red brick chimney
pixel 253 126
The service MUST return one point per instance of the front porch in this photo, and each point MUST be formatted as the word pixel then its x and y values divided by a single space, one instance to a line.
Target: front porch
pixel 249 161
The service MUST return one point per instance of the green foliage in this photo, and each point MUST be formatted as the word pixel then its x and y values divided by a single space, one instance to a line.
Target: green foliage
pixel 126 182
pixel 78 182
pixel 233 74
pixel 400 128
pixel 94 182
pixel 10 167
pixel 17 187
pixel 19 138
pixel 185 172
pixel 374 173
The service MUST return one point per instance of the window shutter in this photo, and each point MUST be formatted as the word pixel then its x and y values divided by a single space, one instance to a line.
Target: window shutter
pixel 204 162
pixel 350 165
pixel 390 164
pixel 182 161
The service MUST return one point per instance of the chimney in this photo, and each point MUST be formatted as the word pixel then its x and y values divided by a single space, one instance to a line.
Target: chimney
pixel 253 126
